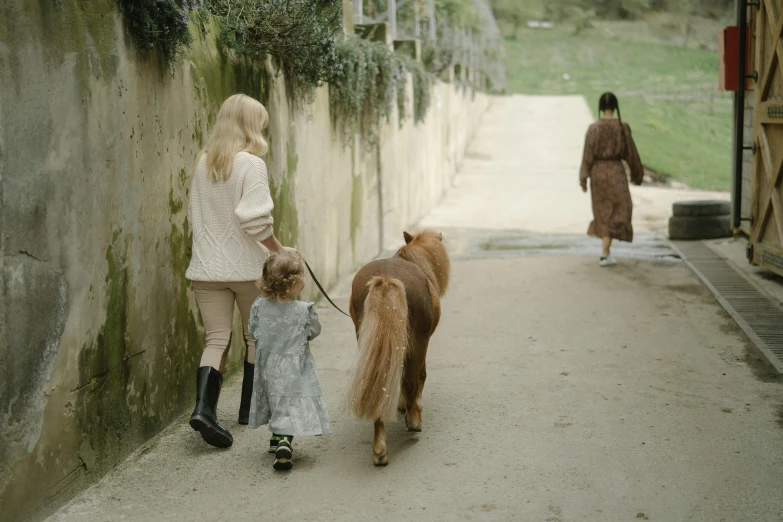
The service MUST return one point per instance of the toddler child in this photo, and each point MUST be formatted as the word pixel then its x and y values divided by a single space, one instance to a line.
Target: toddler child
pixel 286 392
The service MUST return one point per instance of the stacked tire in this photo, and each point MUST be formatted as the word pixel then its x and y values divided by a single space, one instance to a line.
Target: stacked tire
pixel 700 220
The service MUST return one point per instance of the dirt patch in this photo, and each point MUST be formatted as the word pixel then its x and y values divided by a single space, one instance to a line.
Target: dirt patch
pixel 499 246
pixel 629 269
pixel 762 369
pixel 690 289
pixel 478 156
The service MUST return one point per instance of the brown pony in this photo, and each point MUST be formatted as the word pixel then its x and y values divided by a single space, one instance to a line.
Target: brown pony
pixel 395 307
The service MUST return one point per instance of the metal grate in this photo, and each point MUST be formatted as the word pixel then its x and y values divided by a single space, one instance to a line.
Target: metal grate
pixel 760 317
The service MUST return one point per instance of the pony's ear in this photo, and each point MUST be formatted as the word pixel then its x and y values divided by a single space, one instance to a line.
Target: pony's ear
pixel 440 236
pixel 408 238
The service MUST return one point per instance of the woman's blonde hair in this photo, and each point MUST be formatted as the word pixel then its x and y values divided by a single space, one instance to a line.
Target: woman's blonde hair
pixel 237 129
pixel 282 271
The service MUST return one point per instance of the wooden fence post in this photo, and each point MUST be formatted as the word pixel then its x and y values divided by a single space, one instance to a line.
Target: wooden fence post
pixel 416 19
pixel 393 18
pixel 432 27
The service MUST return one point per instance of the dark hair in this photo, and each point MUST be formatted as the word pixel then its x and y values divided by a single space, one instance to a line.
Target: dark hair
pixel 608 102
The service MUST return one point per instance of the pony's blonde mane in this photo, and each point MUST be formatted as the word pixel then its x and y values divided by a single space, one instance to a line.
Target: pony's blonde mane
pixel 426 251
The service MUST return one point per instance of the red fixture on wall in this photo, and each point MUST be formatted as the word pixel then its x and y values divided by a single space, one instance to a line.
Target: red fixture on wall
pixel 729 59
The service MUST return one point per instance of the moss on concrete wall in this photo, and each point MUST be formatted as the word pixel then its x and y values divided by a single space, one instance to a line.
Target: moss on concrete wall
pixel 104 370
pixel 357 198
pixel 286 218
pixel 104 219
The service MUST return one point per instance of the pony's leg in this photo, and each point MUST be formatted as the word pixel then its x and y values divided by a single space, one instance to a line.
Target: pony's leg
pixel 422 378
pixel 413 408
pixel 380 453
pixel 402 404
pixel 414 369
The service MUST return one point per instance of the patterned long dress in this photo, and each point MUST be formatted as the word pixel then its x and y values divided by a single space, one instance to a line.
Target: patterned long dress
pixel 286 391
pixel 606 146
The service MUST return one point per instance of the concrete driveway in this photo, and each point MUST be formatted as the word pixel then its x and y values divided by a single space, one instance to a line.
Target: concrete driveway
pixel 557 390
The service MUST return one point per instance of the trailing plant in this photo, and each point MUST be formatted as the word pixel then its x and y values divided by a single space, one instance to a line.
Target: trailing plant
pixel 298 34
pixel 463 13
pixel 422 89
pixel 368 77
pixel 159 25
pixel 438 56
pixel 493 68
pixel 467 34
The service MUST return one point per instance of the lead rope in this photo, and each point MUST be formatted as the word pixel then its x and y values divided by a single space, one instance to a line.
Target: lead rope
pixel 321 288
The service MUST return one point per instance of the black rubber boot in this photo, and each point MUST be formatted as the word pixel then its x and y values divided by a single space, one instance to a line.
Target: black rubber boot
pixel 247 393
pixel 204 417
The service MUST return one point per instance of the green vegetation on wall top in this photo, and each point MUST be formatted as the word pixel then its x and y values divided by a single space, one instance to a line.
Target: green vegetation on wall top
pixel 298 34
pixel 369 78
pixel 157 25
pixel 301 36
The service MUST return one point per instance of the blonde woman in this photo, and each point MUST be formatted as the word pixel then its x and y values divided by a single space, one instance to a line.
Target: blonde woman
pixel 230 211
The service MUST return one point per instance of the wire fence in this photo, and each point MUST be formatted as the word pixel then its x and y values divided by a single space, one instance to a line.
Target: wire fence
pixel 698 96
pixel 477 46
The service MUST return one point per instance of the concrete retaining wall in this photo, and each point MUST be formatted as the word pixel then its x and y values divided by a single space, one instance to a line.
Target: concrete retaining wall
pixel 100 333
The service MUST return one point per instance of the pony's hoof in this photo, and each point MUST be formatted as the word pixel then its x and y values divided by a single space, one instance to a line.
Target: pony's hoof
pixel 380 460
pixel 413 424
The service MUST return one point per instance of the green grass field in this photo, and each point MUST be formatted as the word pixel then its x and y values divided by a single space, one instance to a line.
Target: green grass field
pixel 668 94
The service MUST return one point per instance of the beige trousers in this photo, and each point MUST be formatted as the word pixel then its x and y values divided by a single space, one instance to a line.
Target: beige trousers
pixel 216 303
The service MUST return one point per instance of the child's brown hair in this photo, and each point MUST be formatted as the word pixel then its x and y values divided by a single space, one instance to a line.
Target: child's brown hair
pixel 282 272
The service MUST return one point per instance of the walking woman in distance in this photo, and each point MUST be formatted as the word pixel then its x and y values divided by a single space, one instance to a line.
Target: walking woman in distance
pixel 231 213
pixel 607 145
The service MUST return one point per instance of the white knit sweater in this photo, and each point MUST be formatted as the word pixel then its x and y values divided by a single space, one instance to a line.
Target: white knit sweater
pixel 228 218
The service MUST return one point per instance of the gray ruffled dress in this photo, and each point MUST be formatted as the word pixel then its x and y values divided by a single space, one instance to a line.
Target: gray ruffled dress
pixel 286 392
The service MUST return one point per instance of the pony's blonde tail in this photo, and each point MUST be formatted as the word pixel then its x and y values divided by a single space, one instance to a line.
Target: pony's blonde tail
pixel 383 338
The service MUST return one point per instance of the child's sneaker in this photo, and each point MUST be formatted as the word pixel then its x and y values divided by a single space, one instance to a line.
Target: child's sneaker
pixel 273 442
pixel 607 261
pixel 283 455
